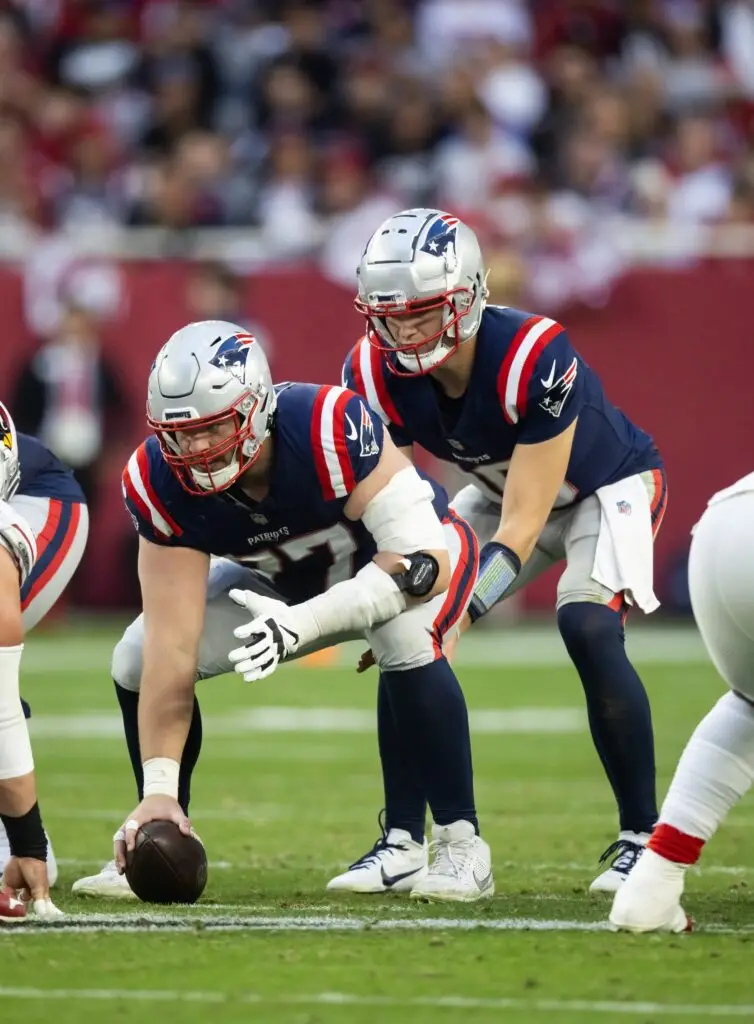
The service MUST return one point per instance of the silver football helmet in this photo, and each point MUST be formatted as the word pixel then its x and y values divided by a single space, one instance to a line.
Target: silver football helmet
pixel 10 469
pixel 211 375
pixel 419 261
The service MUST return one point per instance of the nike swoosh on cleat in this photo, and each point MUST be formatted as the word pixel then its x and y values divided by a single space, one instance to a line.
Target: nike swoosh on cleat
pixel 483 883
pixel 390 880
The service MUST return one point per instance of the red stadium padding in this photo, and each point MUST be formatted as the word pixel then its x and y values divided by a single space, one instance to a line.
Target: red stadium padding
pixel 672 347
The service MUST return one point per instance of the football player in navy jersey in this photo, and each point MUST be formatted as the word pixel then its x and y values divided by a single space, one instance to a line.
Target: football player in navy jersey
pixel 560 474
pixel 43 529
pixel 322 530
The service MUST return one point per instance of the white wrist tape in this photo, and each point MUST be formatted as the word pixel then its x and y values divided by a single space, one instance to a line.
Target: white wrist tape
pixel 370 597
pixel 15 746
pixel 161 777
pixel 401 518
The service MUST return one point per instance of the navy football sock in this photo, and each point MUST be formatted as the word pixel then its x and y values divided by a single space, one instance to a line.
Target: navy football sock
pixel 432 726
pixel 191 751
pixel 129 709
pixel 618 707
pixel 405 805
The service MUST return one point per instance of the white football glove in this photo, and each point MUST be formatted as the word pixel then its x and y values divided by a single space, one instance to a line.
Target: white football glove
pixel 272 635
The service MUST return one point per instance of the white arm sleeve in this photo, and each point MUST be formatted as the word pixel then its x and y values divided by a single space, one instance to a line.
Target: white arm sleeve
pixel 15 746
pixel 402 520
pixel 17 537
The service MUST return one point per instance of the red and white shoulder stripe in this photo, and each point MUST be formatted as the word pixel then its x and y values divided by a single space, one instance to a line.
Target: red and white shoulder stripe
pixel 328 438
pixel 518 365
pixel 368 374
pixel 138 489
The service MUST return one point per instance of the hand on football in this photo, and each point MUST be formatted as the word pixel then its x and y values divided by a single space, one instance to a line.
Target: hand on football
pixel 151 808
pixel 270 637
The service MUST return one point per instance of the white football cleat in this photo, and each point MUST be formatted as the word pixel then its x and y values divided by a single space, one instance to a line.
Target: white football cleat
pixel 52 864
pixel 394 864
pixel 461 868
pixel 108 884
pixel 46 910
pixel 650 898
pixel 625 851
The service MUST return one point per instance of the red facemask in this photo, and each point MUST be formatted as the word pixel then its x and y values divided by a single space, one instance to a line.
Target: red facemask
pixel 377 313
pixel 223 451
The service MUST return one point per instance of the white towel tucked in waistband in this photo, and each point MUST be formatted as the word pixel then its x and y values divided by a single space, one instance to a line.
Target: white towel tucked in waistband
pixel 624 559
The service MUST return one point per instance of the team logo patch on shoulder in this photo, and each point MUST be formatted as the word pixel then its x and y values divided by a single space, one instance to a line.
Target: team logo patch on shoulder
pixel 232 353
pixel 558 390
pixel 366 435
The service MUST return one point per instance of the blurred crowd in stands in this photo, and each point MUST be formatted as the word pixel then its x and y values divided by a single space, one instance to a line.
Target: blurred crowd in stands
pixel 540 122
pixel 571 134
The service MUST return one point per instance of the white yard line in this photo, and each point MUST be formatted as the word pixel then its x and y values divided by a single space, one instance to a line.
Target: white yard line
pixel 570 866
pixel 109 726
pixel 150 921
pixel 577 1006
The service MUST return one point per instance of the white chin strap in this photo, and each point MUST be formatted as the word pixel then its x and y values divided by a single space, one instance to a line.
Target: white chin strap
pixel 427 360
pixel 220 478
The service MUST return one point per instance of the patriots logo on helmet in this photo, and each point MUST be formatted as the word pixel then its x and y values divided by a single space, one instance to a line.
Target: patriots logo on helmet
pixel 441 237
pixel 232 355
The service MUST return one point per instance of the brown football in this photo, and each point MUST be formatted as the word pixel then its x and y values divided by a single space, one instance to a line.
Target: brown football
pixel 166 866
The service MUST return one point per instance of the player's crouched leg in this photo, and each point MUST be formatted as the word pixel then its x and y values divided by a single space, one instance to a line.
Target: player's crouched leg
pixel 221 617
pixel 431 726
pixel 19 810
pixel 716 769
pixel 126 672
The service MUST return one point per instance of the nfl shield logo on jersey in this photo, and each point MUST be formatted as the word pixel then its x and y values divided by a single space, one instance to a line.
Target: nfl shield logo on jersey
pixel 232 355
pixel 366 435
pixel 624 507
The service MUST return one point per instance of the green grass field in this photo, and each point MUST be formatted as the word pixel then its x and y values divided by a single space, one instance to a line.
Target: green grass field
pixel 287 793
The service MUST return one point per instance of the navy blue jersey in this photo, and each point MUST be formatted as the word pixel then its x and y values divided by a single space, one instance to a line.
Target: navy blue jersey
pixel 43 475
pixel 528 384
pixel 325 441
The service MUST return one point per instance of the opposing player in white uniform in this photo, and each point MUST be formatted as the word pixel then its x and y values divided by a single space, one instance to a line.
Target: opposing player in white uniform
pixel 324 531
pixel 26 870
pixel 51 503
pixel 717 767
